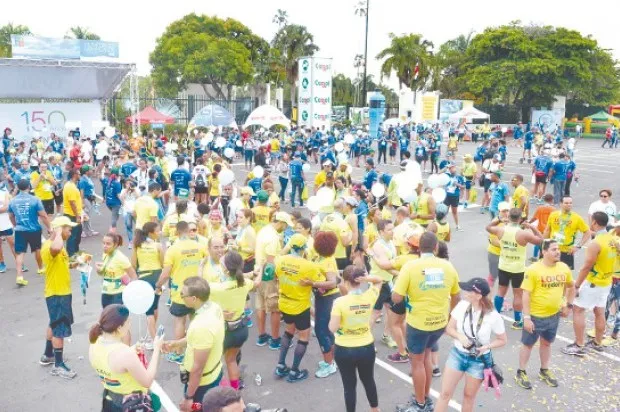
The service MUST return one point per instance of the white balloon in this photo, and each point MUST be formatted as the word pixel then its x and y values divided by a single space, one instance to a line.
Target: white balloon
pixel 239 143
pixel 504 129
pixel 342 157
pixel 313 204
pixel 208 138
pixel 407 193
pixel 433 181
pixel 339 147
pixel 138 297
pixel 229 152
pixel 226 177
pixel 336 132
pixel 414 173
pixel 325 196
pixel 359 132
pixel 220 142
pixel 306 167
pixel 209 135
pixel 109 132
pixel 377 190
pixel 439 194
pixel 444 179
pixel 349 138
pixel 258 172
pixel 195 132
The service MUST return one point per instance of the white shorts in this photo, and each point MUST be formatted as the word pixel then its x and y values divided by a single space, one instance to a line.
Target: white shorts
pixel 592 297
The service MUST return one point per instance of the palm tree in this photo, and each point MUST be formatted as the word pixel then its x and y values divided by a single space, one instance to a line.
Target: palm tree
pixel 293 41
pixel 280 18
pixel 81 33
pixel 5 37
pixel 360 8
pixel 402 56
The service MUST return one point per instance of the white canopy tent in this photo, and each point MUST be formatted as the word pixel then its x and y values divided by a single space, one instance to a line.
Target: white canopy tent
pixel 470 113
pixel 394 121
pixel 267 116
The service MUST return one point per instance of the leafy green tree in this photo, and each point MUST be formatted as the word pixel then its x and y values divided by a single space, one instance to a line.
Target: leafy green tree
pixel 293 41
pixel 81 33
pixel 343 90
pixel 448 66
pixel 280 18
pixel 208 51
pixel 5 37
pixel 402 56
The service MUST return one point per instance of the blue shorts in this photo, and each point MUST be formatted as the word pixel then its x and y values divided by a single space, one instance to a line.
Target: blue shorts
pixel 6 233
pixel 111 299
pixel 527 145
pixel 468 182
pixel 23 239
pixel 546 328
pixel 249 155
pixel 471 365
pixel 60 314
pixel 151 276
pixel 420 340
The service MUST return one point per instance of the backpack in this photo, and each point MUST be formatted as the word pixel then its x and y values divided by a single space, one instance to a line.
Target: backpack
pixel 200 181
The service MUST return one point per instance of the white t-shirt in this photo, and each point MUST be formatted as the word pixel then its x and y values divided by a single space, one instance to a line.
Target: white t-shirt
pixel 609 208
pixel 101 149
pixel 87 150
pixel 491 167
pixel 5 222
pixel 491 323
pixel 571 143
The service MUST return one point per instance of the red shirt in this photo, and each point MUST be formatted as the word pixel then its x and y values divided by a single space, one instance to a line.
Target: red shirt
pixel 74 154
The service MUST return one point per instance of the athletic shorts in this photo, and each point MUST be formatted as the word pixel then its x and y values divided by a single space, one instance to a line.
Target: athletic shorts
pixel 527 145
pixel 385 296
pixel 486 184
pixel 545 328
pixel 451 201
pixel 592 296
pixel 48 206
pixel 301 320
pixel 6 233
pixel 200 190
pixel 507 278
pixel 179 310
pixel 420 340
pixel 151 276
pixel 25 239
pixel 60 314
pixel 399 308
pixel 342 263
pixel 111 299
pixel 541 179
pixel 267 297
pixel 493 260
pixel 468 182
pixel 568 259
pixel 58 198
pixel 236 338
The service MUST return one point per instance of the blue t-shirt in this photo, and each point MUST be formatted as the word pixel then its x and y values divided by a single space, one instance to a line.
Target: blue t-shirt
pixel 57 146
pixel 112 190
pixel 21 174
pixel 86 184
pixel 362 212
pixel 560 168
pixel 128 168
pixel 295 168
pixel 420 151
pixel 543 164
pixel 503 152
pixel 529 137
pixel 256 184
pixel 404 143
pixel 499 191
pixel 26 207
pixel 370 178
pixel 180 178
pixel 451 188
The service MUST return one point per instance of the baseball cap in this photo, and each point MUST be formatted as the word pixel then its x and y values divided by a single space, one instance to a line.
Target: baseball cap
pixel 86 168
pixel 467 156
pixel 498 173
pixel 262 196
pixel 327 163
pixel 503 206
pixel 247 190
pixel 62 221
pixel 283 217
pixel 298 241
pixel 478 285
pixel 413 237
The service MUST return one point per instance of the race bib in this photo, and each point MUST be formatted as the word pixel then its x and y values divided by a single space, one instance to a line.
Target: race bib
pixel 434 278
pixel 559 237
pixel 47 187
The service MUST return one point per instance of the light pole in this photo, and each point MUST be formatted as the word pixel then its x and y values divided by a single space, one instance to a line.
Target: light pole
pixel 365 56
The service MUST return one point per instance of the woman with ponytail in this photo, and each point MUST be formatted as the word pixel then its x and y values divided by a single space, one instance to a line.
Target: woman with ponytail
pixel 113 190
pixel 231 294
pixel 118 366
pixel 148 260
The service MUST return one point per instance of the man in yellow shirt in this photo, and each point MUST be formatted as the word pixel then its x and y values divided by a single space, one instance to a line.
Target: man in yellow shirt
pixel 334 222
pixel 432 288
pixel 593 285
pixel 146 208
pixel 547 285
pixel 72 205
pixel 521 196
pixel 262 212
pixel 43 183
pixel 321 177
pixel 562 226
pixel 181 261
pixel 468 171
pixel 201 369
pixel 57 296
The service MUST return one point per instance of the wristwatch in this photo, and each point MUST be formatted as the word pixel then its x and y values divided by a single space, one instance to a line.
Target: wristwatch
pixel 188 397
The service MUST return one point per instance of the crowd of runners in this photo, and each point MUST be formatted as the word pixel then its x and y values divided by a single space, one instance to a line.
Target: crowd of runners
pixel 223 255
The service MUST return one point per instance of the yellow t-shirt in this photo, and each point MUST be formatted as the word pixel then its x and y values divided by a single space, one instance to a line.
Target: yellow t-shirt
pixel 213 272
pixel 114 267
pixel 57 274
pixel 206 332
pixel 520 192
pixel 146 208
pixel 421 207
pixel 119 383
pixel 400 261
pixel 275 145
pixel 268 243
pixel 389 250
pixel 386 214
pixel 429 282
pixel 443 230
pixel 546 286
pixel 214 185
pixel 334 223
pixel 355 311
pixel 246 242
pixel 44 189
pixel 401 231
pixel 617 264
pixel 372 233
pixel 320 178
pixel 290 270
pixel 184 256
pixel 261 217
pixel 148 256
pixel 70 192
pixel 327 265
pixel 563 228
pixel 231 297
pixel 469 169
pixel 169 227
pixel 602 272
pixel 495 250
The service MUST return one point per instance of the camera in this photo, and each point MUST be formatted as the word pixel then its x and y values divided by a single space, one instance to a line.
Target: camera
pixel 254 407
pixel 471 348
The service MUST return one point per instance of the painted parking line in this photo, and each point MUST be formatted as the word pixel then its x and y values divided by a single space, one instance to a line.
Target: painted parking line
pixel 166 402
pixel 569 341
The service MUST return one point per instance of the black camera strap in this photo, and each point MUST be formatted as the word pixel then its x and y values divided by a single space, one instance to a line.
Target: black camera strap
pixel 470 312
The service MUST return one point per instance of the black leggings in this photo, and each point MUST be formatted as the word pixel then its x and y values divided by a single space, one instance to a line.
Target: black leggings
pixel 384 153
pixel 361 359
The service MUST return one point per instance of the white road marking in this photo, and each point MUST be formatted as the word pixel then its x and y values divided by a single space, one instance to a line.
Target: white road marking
pixel 569 341
pixel 166 402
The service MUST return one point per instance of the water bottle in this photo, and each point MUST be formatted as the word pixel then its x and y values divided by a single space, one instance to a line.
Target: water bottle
pixel 258 379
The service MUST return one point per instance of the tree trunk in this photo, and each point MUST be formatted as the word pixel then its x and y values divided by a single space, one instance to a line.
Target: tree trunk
pixel 230 90
pixel 206 90
pixel 292 91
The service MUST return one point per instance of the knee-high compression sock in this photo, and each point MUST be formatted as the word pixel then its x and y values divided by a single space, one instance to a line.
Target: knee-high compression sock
pixel 284 345
pixel 517 316
pixel 499 303
pixel 58 361
pixel 49 349
pixel 300 351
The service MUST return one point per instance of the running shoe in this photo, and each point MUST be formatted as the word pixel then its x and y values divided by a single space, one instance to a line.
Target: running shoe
pixel 248 312
pixel 174 358
pixel 148 345
pixel 413 406
pixel 274 344
pixel 398 358
pixel 517 325
pixel 21 282
pixel 249 323
pixel 574 349
pixel 322 364
pixel 389 342
pixel 594 346
pixel 522 380
pixel 436 372
pixel 24 268
pixel 41 271
pixel 326 370
pixel 282 371
pixel 169 302
pixel 296 376
pixel 263 340
pixel 63 371
pixel 465 205
pixel 2 267
pixel 548 377
pixel 46 360
pixel 430 404
pixel 94 233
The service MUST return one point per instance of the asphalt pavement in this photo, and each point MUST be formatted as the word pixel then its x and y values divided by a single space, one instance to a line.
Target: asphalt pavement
pixel 588 384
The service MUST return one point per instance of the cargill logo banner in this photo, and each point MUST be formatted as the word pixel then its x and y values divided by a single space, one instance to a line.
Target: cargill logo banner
pixel 304 115
pixel 304 100
pixel 323 84
pixel 322 100
pixel 304 83
pixel 322 67
pixel 305 64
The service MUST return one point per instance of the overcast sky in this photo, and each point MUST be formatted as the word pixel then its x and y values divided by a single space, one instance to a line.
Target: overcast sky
pixel 337 30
